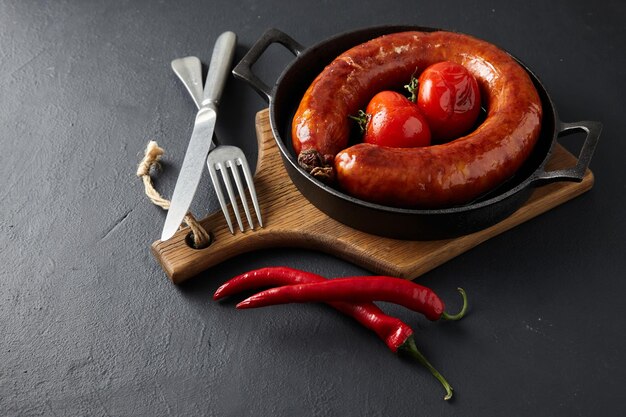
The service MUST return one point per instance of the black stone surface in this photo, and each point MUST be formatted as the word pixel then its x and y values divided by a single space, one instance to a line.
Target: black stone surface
pixel 90 326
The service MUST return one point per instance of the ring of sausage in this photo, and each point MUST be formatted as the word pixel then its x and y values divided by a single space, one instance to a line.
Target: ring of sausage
pixel 430 177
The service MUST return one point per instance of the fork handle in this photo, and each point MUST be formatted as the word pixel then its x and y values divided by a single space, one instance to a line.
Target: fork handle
pixel 189 71
pixel 219 68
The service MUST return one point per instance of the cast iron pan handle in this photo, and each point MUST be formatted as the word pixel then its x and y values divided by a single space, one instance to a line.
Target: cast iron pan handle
pixel 576 173
pixel 243 70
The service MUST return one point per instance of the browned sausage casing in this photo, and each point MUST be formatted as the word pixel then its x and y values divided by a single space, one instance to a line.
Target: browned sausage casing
pixel 434 176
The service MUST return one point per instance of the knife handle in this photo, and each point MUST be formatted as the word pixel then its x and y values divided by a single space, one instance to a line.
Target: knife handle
pixel 219 68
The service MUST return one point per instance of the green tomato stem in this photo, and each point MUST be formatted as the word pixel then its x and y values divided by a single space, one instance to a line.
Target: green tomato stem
pixel 362 119
pixel 412 87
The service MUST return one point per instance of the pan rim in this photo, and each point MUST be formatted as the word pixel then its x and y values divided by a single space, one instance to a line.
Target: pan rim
pixel 524 183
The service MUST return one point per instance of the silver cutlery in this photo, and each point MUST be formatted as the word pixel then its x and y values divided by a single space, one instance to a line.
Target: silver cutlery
pixel 201 138
pixel 229 160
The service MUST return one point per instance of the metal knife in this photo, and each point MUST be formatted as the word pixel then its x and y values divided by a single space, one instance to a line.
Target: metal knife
pixel 201 138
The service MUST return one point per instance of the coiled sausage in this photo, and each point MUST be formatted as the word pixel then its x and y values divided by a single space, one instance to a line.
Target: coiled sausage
pixel 434 176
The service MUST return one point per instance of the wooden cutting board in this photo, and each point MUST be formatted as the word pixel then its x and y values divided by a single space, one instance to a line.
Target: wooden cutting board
pixel 291 221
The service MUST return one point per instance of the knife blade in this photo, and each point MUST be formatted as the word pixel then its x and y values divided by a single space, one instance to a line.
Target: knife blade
pixel 201 142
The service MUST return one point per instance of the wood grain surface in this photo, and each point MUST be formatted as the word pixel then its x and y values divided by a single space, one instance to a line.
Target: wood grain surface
pixel 291 220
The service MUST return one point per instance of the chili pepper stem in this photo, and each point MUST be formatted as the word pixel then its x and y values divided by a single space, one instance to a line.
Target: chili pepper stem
pixel 460 314
pixel 410 348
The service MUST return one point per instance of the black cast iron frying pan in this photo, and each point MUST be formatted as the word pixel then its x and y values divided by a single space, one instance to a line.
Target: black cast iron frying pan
pixel 415 224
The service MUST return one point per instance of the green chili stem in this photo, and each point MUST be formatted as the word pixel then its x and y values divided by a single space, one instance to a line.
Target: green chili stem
pixel 410 348
pixel 460 314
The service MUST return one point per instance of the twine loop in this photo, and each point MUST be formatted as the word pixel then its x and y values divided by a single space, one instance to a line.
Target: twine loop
pixel 152 156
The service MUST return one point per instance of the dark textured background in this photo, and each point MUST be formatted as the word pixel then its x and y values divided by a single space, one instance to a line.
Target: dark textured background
pixel 90 326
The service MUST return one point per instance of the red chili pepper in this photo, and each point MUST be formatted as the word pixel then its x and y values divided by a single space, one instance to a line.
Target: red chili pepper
pixel 386 327
pixel 396 334
pixel 358 289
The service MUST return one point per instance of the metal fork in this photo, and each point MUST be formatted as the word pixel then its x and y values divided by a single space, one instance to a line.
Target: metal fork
pixel 226 159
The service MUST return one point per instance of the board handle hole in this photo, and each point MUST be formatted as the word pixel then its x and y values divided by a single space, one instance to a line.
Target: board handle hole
pixel 189 240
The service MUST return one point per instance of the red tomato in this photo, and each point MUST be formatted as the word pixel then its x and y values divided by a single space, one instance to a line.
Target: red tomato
pixel 394 120
pixel 449 98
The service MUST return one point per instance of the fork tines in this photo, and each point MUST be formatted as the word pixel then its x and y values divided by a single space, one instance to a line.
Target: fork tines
pixel 227 160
